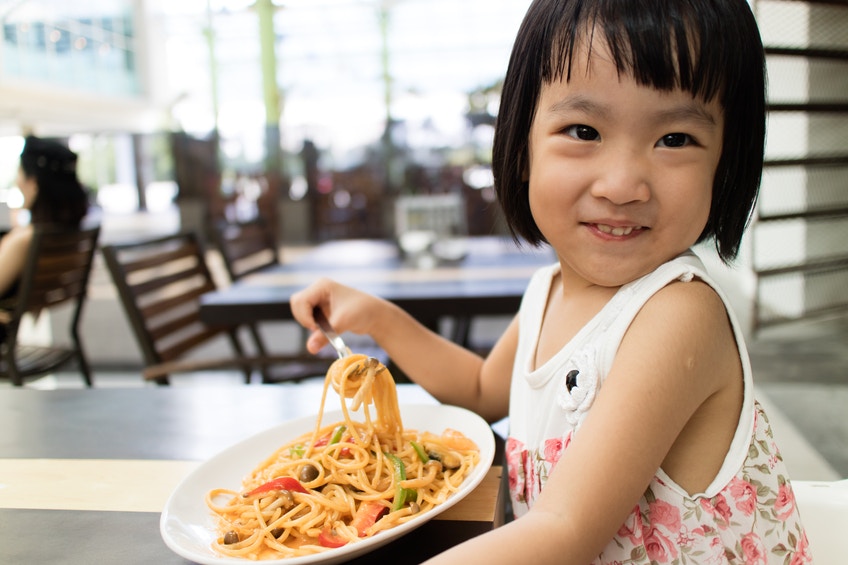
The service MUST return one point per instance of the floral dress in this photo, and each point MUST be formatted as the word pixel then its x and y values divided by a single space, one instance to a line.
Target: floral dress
pixel 747 515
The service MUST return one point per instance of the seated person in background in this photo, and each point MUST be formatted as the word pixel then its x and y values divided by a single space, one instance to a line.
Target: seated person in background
pixel 47 178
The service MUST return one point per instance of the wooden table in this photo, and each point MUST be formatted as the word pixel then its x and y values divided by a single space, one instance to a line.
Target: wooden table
pixel 489 280
pixel 84 474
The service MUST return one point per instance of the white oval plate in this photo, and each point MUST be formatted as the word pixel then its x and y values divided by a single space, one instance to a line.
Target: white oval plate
pixel 187 525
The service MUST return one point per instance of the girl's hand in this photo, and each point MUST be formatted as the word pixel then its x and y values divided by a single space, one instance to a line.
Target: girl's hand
pixel 347 309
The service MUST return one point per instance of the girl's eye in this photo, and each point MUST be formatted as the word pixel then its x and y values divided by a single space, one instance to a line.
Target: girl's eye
pixel 583 133
pixel 675 140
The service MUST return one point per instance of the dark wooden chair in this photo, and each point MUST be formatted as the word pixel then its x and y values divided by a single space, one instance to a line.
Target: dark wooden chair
pixel 249 247
pixel 55 276
pixel 160 282
pixel 246 247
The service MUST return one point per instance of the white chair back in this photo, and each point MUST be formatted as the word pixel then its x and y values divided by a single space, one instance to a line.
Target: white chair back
pixel 824 513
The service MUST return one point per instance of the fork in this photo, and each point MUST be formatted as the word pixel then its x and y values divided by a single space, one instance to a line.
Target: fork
pixel 328 331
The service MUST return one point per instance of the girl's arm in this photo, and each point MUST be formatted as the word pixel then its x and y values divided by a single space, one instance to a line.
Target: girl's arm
pixel 446 370
pixel 14 247
pixel 671 399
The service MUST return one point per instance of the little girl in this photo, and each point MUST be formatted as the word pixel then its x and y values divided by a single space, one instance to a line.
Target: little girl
pixel 628 132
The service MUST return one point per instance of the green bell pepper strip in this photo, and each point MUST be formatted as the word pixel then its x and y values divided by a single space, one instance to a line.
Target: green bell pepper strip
pixel 337 434
pixel 422 455
pixel 402 495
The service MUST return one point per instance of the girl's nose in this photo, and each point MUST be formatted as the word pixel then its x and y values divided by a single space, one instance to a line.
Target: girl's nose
pixel 624 178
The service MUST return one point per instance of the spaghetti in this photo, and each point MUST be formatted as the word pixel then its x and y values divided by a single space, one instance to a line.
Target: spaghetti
pixel 343 481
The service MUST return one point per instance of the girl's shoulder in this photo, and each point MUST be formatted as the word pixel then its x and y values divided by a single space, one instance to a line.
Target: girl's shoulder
pixel 682 283
pixel 685 288
pixel 14 247
pixel 678 300
pixel 682 295
pixel 16 238
pixel 694 297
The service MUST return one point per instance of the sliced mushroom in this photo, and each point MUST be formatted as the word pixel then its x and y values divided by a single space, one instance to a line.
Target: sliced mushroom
pixel 287 498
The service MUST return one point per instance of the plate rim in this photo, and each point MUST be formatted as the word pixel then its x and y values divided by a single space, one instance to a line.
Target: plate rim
pixel 349 551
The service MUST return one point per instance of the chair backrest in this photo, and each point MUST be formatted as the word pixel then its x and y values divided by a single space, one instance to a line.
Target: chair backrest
pixel 56 272
pixel 57 268
pixel 160 282
pixel 246 247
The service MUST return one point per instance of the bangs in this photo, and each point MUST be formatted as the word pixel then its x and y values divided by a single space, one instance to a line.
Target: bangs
pixel 660 44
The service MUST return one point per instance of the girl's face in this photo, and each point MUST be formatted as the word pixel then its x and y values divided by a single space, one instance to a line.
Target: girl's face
pixel 28 187
pixel 620 174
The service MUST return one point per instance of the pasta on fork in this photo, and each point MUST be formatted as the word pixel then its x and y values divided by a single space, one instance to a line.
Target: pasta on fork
pixel 343 481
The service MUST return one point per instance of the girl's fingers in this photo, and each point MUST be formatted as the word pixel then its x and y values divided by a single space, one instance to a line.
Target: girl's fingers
pixel 302 304
pixel 316 342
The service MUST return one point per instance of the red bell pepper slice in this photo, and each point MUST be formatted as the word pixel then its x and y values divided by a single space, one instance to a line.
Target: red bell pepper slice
pixel 280 483
pixel 329 538
pixel 367 515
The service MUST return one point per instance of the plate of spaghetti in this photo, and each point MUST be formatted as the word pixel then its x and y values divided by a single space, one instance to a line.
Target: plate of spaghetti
pixel 327 488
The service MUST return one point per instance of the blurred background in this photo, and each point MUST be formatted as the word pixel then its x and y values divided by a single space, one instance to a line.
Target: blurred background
pixel 324 109
pixel 321 115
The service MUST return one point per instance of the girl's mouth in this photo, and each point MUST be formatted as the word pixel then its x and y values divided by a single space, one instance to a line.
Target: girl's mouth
pixel 617 231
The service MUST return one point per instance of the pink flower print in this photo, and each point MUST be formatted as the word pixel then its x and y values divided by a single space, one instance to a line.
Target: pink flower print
pixel 515 456
pixel 717 546
pixel 659 547
pixel 753 550
pixel 785 503
pixel 632 527
pixel 703 530
pixel 744 494
pixel 717 506
pixel 723 508
pixel 531 486
pixel 665 514
pixel 802 551
pixel 552 451
pixel 522 471
pixel 553 458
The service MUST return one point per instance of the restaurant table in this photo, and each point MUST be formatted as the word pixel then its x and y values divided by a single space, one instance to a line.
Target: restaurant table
pixel 476 276
pixel 85 473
